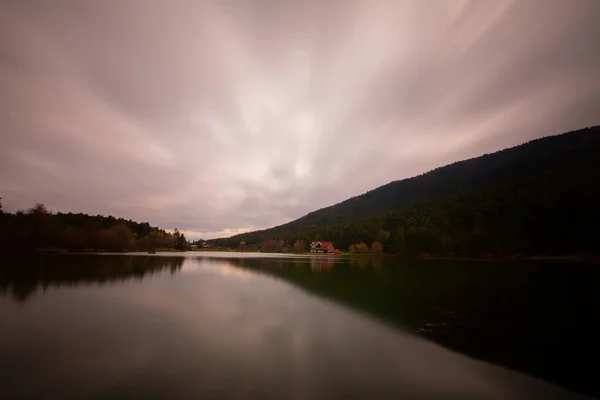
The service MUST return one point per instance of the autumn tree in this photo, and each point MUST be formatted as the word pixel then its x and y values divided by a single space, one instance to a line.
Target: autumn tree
pixel 361 248
pixel 376 248
pixel 117 238
pixel 125 237
pixel 352 249
pixel 271 246
pixel 299 246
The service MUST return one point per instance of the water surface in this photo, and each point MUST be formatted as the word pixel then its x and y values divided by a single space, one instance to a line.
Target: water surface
pixel 248 326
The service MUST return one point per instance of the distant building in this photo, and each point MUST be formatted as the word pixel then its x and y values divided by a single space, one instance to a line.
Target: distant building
pixel 205 245
pixel 321 247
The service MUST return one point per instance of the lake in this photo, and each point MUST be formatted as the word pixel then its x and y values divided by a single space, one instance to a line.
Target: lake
pixel 249 325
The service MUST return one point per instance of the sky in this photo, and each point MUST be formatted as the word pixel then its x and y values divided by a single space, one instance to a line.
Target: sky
pixel 219 117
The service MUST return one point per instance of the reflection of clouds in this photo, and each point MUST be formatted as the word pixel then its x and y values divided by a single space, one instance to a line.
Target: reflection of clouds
pixel 229 271
pixel 190 267
pixel 205 266
pixel 209 329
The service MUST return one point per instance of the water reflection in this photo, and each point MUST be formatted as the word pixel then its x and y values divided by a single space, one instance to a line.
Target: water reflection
pixel 319 263
pixel 22 278
pixel 524 315
pixel 161 326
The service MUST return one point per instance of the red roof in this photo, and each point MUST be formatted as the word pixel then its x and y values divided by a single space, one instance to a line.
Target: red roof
pixel 323 244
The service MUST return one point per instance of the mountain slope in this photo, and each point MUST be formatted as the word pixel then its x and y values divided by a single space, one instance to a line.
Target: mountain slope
pixel 560 172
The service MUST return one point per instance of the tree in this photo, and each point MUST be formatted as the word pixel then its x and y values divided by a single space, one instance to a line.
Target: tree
pixel 38 209
pixel 299 246
pixel 376 248
pixel 352 249
pixel 90 235
pixel 399 242
pixel 271 246
pixel 38 224
pixel 117 238
pixel 141 244
pixel 382 236
pixel 243 246
pixel 168 240
pixel 124 237
pixel 180 241
pixel 152 238
pixel 361 248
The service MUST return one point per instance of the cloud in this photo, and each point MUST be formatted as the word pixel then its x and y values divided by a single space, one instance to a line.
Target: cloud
pixel 218 117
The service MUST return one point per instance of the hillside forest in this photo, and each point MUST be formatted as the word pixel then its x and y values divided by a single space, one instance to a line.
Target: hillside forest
pixel 539 198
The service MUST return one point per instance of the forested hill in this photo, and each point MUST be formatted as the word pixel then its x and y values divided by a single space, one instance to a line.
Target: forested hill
pixel 549 179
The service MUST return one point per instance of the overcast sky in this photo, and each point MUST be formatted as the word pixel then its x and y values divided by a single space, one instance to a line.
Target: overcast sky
pixel 217 117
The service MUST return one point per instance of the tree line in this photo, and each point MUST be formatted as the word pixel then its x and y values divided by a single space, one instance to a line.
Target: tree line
pixel 37 228
pixel 298 246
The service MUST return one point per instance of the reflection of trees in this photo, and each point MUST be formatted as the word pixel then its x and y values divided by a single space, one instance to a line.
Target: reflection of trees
pixel 505 313
pixel 375 262
pixel 22 277
pixel 321 263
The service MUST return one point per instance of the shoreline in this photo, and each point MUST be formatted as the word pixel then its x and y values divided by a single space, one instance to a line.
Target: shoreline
pixel 570 257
